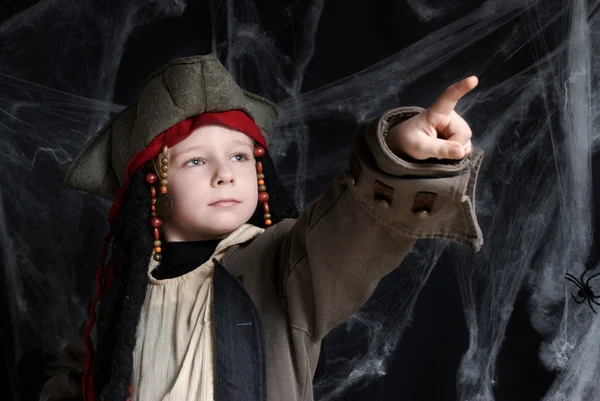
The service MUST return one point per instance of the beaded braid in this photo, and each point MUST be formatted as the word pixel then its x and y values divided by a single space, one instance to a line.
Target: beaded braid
pixel 263 195
pixel 160 206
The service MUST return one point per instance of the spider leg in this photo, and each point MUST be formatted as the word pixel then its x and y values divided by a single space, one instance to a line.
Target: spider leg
pixel 573 280
pixel 591 277
pixel 595 302
pixel 593 310
pixel 579 302
pixel 583 275
pixel 570 275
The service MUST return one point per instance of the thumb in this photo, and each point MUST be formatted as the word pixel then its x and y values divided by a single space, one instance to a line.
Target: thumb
pixel 443 149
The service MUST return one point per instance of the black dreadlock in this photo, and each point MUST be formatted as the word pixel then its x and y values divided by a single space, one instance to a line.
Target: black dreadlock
pixel 119 310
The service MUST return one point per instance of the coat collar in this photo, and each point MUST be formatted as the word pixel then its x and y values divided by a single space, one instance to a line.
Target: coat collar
pixel 245 233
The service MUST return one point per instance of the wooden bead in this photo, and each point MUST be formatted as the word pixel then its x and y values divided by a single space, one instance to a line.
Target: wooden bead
pixel 266 207
pixel 164 167
pixel 163 190
pixel 262 188
pixel 267 216
pixel 261 182
pixel 157 257
pixel 157 243
pixel 259 167
pixel 156 234
pixel 150 178
pixel 268 222
pixel 164 182
pixel 158 249
pixel 154 201
pixel 259 151
pixel 153 191
pixel 164 160
pixel 153 208
pixel 155 222
pixel 164 174
pixel 263 196
pixel 260 176
pixel 153 214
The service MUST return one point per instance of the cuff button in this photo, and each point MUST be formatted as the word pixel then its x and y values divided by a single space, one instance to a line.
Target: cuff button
pixel 422 214
pixel 382 203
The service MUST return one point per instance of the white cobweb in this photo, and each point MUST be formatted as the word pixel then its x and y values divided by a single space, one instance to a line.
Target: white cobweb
pixel 58 68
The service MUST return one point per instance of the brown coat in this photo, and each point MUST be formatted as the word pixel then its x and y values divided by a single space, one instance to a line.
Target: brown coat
pixel 307 276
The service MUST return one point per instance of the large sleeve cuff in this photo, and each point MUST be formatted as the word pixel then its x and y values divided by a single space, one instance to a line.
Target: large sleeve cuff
pixel 420 199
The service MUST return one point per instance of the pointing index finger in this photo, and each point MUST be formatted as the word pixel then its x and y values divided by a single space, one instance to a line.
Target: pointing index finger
pixel 446 103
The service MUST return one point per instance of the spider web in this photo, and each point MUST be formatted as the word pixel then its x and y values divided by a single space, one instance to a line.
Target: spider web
pixel 534 193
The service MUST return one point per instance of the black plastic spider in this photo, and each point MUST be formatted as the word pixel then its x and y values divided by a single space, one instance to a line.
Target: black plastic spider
pixel 585 289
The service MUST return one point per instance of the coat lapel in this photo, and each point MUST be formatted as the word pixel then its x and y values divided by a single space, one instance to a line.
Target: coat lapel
pixel 240 348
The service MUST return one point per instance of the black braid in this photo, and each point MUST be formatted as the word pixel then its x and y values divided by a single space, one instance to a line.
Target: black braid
pixel 119 312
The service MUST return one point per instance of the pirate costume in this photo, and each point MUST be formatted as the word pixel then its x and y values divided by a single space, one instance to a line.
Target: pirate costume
pixel 246 322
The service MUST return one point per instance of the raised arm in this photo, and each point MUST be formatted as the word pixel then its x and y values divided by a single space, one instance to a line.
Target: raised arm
pixel 367 220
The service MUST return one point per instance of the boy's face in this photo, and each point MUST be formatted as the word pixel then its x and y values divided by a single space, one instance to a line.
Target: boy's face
pixel 215 163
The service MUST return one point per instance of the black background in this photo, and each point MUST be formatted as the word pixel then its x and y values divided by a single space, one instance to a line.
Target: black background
pixel 351 36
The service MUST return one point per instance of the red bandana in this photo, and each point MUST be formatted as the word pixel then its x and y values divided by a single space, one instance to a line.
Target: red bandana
pixel 235 119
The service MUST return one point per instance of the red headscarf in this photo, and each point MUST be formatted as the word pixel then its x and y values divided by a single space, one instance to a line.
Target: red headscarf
pixel 235 119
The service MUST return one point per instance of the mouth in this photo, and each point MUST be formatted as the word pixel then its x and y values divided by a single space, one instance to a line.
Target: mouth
pixel 225 203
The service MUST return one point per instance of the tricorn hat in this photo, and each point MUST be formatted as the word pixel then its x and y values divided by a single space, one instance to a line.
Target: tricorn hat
pixel 184 88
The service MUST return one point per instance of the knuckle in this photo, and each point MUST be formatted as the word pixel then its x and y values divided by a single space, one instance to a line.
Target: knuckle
pixel 442 151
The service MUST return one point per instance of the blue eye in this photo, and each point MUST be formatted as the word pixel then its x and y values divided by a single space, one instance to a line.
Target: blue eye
pixel 241 157
pixel 194 162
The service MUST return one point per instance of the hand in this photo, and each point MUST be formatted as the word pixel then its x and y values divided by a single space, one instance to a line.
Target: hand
pixel 438 131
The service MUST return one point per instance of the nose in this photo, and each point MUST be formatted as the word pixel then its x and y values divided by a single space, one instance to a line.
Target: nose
pixel 223 176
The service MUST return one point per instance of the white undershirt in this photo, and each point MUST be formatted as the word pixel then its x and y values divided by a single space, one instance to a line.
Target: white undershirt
pixel 174 356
